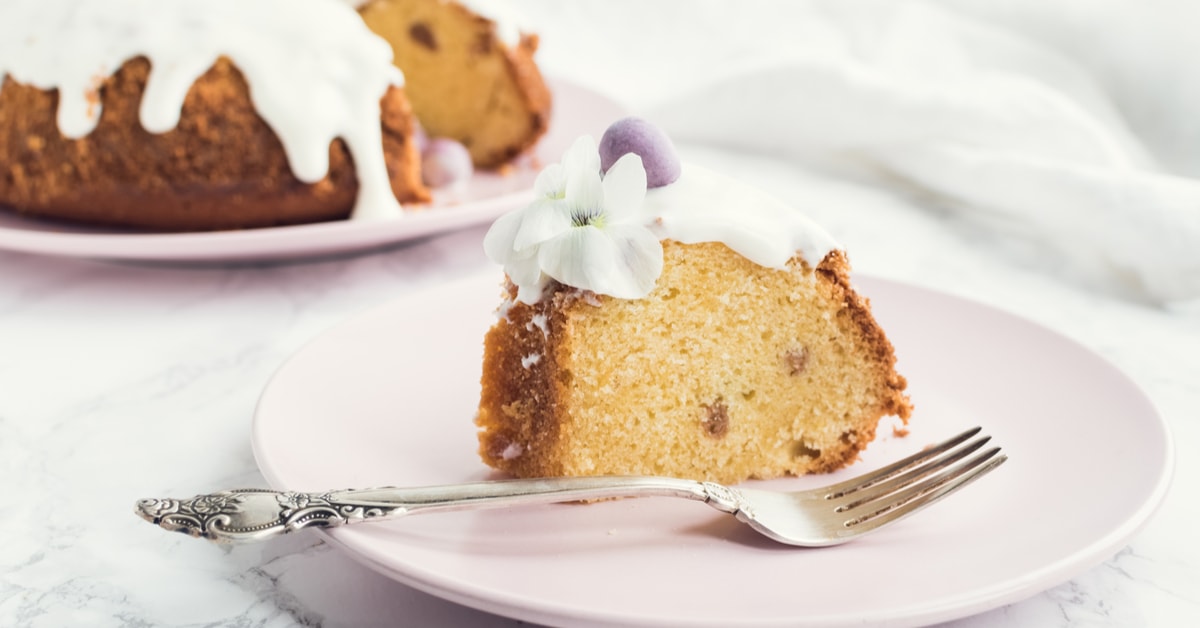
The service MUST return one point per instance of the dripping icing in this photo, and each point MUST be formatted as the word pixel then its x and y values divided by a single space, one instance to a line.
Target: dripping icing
pixel 316 73
pixel 706 206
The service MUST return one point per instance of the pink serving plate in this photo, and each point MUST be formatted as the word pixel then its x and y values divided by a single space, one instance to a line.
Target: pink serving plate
pixel 388 398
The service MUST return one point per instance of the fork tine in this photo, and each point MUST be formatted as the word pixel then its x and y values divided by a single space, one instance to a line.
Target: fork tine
pixel 870 479
pixel 935 489
pixel 909 476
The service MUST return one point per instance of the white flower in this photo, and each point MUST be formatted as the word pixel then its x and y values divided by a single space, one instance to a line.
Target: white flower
pixel 581 159
pixel 582 229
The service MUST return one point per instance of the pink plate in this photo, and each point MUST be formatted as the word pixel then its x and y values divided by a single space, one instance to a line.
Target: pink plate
pixel 388 398
pixel 485 196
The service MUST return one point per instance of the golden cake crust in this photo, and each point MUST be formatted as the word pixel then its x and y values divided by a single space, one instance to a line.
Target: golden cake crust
pixel 635 407
pixel 466 84
pixel 222 167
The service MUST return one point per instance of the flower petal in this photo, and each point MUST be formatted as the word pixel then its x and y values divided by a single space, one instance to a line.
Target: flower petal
pixel 641 258
pixel 522 267
pixel 624 188
pixel 551 182
pixel 585 197
pixel 543 220
pixel 625 266
pixel 498 243
pixel 578 257
pixel 582 157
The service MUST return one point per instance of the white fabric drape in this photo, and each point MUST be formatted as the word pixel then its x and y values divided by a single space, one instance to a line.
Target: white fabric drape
pixel 1070 127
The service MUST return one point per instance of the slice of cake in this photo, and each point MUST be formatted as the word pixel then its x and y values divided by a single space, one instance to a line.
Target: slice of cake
pixel 699 329
pixel 469 70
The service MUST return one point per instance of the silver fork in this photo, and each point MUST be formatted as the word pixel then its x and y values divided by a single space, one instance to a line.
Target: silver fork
pixel 825 516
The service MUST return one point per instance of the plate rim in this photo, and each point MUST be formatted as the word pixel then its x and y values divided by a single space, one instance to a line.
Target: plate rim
pixel 355 541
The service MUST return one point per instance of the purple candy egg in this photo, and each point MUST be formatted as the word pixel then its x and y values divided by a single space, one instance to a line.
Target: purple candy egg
pixel 639 136
pixel 445 162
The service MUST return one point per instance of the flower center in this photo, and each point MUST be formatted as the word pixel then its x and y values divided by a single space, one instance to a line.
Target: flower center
pixel 582 217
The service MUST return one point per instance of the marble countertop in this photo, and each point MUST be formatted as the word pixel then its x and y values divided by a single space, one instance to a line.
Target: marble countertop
pixel 125 380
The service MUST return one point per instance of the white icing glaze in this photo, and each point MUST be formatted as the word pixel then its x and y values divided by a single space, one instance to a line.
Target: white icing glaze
pixel 513 450
pixel 539 321
pixel 315 71
pixel 705 206
pixel 505 306
pixel 530 360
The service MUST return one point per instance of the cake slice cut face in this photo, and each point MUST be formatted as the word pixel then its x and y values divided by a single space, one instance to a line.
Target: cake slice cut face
pixel 739 362
pixel 470 73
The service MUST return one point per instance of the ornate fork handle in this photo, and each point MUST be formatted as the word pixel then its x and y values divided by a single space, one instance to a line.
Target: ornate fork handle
pixel 244 515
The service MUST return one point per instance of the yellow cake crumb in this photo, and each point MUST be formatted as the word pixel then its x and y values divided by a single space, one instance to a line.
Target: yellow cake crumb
pixel 726 371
